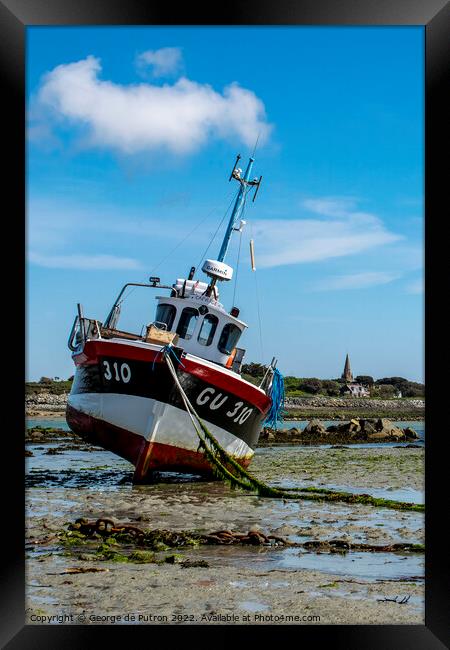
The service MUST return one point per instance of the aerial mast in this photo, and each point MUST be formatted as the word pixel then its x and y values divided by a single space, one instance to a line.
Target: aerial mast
pixel 216 269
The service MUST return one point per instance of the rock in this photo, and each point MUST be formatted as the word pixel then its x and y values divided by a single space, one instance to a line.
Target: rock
pixel 315 427
pixel 270 436
pixel 368 426
pixel 378 435
pixel 383 425
pixel 410 433
pixel 354 426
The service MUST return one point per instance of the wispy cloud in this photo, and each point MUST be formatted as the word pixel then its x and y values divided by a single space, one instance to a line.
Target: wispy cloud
pixel 356 280
pixel 163 62
pixel 129 119
pixel 342 231
pixel 331 206
pixel 60 224
pixel 416 287
pixel 84 262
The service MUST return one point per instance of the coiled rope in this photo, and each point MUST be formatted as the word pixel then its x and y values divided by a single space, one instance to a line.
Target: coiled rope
pixel 226 468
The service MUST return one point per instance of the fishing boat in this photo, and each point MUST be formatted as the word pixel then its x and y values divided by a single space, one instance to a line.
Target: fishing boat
pixel 130 391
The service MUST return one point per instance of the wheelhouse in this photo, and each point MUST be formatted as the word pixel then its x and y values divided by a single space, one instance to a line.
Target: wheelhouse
pixel 204 328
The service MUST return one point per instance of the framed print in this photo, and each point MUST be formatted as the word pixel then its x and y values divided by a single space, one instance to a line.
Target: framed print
pixel 226 218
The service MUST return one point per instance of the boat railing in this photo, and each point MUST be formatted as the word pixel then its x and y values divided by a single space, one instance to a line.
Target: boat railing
pixel 89 328
pixel 83 329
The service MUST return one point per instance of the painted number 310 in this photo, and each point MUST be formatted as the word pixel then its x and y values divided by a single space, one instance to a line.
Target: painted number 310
pixel 121 373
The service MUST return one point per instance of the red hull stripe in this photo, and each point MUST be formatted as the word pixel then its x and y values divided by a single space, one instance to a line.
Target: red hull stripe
pixel 94 349
pixel 145 456
pixel 230 384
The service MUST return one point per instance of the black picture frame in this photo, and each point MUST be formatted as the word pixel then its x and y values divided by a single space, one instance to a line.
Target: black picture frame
pixel 15 17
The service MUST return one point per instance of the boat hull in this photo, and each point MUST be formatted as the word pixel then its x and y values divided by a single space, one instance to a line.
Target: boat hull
pixel 124 399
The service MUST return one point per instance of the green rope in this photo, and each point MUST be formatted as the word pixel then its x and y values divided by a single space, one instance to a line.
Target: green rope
pixel 220 462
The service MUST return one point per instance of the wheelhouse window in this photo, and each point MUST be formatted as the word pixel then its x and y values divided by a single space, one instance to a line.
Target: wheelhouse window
pixel 208 329
pixel 165 315
pixel 229 337
pixel 187 322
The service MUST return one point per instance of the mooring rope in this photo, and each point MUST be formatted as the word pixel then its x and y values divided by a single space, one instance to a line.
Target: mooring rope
pixel 229 470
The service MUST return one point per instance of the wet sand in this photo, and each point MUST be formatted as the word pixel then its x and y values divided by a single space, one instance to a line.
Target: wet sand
pixel 242 585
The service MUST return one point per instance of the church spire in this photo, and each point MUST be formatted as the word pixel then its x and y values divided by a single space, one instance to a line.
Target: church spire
pixel 347 374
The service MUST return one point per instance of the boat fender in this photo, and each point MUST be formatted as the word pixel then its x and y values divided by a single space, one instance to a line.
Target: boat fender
pixel 230 359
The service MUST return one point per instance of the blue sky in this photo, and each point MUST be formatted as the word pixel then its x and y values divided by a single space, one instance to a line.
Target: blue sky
pixel 132 133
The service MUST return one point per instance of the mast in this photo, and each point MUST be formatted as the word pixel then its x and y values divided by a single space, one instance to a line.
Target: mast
pixel 245 186
pixel 216 269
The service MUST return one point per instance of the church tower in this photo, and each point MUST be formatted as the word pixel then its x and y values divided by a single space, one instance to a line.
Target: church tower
pixel 347 374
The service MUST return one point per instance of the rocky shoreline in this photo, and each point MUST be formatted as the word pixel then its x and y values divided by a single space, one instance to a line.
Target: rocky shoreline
pixel 357 430
pixel 360 430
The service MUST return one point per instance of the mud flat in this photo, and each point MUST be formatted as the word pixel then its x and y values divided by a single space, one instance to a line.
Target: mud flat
pixel 226 584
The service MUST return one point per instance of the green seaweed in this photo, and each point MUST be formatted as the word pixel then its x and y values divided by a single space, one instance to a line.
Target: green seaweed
pixel 142 557
pixel 224 467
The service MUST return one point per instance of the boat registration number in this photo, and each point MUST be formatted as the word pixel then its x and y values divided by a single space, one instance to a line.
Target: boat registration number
pixel 119 371
pixel 238 412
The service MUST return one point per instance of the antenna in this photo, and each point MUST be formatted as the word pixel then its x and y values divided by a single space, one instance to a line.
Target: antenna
pixel 257 189
pixel 256 144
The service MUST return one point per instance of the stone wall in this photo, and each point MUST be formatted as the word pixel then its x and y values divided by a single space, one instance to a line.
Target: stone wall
pixel 46 402
pixel 353 403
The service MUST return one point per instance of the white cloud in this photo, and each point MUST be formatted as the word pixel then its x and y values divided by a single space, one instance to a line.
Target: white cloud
pixel 356 280
pixel 163 62
pixel 129 119
pixel 84 262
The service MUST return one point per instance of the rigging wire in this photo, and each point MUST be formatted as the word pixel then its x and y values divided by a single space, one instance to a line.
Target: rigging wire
pixel 202 257
pixel 261 347
pixel 166 257
pixel 239 249
pixel 237 270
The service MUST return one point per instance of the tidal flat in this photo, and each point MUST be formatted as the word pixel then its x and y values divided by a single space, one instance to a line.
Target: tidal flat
pixel 78 582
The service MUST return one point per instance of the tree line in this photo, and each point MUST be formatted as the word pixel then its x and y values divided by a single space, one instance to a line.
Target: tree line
pixel 385 387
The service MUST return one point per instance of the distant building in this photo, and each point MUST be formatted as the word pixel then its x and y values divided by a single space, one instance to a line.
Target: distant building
pixel 352 388
pixel 355 390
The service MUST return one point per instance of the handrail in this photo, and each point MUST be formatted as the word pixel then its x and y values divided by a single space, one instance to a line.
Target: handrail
pixel 154 285
pixel 72 335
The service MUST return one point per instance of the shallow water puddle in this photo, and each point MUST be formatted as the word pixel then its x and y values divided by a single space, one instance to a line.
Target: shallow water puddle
pixel 370 566
pixel 252 606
